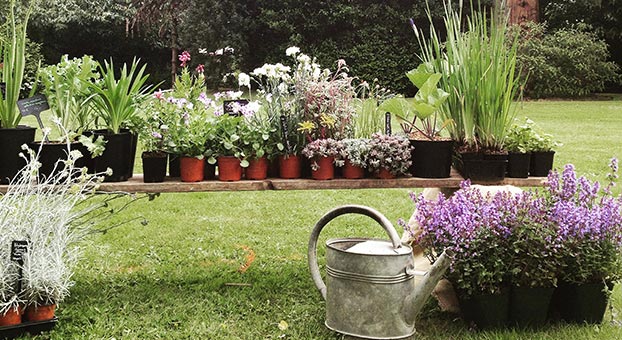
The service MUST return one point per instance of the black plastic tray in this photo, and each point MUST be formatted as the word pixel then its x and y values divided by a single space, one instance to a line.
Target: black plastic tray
pixel 36 327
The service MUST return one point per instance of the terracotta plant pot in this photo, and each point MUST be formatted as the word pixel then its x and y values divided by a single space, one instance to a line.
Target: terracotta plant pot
pixel 11 317
pixel 384 174
pixel 257 168
pixel 325 170
pixel 352 171
pixel 191 169
pixel 229 169
pixel 40 313
pixel 289 166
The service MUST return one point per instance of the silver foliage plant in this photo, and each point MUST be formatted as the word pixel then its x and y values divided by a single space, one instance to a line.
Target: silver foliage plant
pixel 53 214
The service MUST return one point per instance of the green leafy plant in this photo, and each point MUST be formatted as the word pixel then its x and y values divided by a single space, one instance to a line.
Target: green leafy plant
pixel 229 131
pixel 370 118
pixel 66 86
pixel 478 66
pixel 117 101
pixel 425 105
pixel 13 51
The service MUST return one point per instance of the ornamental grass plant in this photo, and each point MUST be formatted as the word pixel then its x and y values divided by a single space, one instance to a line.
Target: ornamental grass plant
pixel 477 61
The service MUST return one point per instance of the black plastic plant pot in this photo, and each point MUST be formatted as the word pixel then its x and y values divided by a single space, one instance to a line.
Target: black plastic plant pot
pixel 541 163
pixel 154 167
pixel 486 311
pixel 431 159
pixel 31 327
pixel 11 141
pixel 52 155
pixel 134 145
pixel 482 167
pixel 116 156
pixel 209 172
pixel 529 306
pixel 174 169
pixel 580 303
pixel 518 165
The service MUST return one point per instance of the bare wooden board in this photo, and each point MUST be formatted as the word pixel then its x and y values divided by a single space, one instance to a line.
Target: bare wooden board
pixel 135 184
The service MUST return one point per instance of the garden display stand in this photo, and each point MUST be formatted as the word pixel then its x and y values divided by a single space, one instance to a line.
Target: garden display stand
pixel 136 184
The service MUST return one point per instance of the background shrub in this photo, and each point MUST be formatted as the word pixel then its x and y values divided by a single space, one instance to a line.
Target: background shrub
pixel 569 62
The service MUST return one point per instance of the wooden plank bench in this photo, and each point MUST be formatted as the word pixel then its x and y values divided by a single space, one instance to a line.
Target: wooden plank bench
pixel 136 185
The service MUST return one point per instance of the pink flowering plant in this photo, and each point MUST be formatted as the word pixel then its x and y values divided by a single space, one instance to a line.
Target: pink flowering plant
pixel 321 148
pixel 389 152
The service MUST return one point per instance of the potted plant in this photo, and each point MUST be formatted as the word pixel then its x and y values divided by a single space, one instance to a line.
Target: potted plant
pixel 480 104
pixel 542 154
pixel 66 88
pixel 322 153
pixel 13 135
pixel 518 144
pixel 229 150
pixel 534 262
pixel 389 156
pixel 116 103
pixel 431 153
pixel 51 216
pixel 279 103
pixel 153 134
pixel 258 141
pixel 11 304
pixel 588 219
pixel 468 223
pixel 370 118
pixel 352 156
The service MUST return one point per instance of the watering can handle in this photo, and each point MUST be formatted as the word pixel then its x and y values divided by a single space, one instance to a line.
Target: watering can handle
pixel 346 209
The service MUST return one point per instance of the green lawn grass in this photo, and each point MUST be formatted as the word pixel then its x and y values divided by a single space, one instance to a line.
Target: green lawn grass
pixel 171 279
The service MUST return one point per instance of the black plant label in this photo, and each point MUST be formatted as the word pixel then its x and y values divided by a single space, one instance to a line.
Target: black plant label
pixel 387 123
pixel 3 89
pixel 18 249
pixel 33 105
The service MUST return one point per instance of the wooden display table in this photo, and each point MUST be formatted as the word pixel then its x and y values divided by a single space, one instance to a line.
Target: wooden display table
pixel 136 185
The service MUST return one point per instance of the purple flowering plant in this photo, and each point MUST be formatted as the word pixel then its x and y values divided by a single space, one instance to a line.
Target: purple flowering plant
pixel 570 232
pixel 389 152
pixel 588 221
pixel 472 225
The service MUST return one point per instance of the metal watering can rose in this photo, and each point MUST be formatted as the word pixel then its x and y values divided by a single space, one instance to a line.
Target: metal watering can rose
pixel 370 287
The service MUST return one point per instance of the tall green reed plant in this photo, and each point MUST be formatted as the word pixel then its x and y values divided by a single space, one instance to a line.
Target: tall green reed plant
pixel 117 101
pixel 477 61
pixel 13 51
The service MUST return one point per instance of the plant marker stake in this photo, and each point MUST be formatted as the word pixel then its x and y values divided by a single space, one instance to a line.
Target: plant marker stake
pixel 288 148
pixel 3 89
pixel 34 106
pixel 18 249
pixel 387 123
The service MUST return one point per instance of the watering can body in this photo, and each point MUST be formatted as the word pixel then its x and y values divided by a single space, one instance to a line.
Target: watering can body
pixel 370 294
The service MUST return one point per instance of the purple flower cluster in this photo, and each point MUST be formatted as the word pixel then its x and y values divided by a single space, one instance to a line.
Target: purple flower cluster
pixel 571 232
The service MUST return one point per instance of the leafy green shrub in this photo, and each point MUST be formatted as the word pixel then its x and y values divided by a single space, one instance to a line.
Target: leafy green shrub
pixel 570 62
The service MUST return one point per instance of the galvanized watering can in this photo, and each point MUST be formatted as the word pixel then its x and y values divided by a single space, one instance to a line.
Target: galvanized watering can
pixel 370 288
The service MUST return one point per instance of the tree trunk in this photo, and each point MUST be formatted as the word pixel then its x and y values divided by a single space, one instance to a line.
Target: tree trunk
pixel 174 51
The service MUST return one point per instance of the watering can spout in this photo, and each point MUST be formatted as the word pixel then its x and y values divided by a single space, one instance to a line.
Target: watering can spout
pixel 415 301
